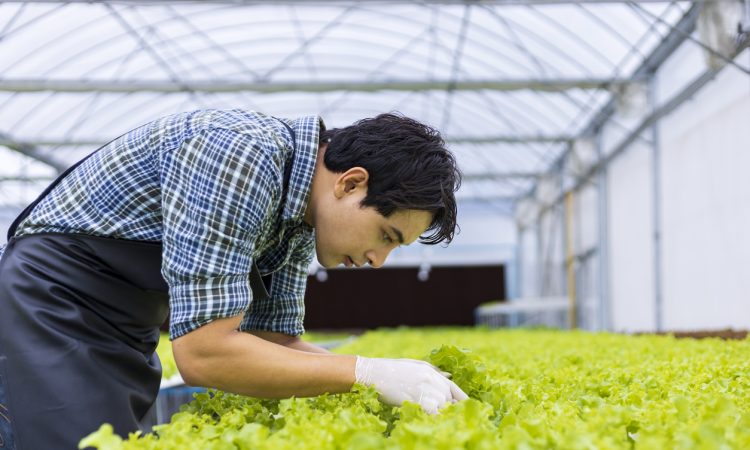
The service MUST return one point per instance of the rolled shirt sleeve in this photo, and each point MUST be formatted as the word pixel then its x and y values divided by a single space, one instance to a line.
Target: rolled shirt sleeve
pixel 219 187
pixel 284 310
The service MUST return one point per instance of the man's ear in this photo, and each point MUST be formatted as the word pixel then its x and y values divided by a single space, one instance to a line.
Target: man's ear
pixel 351 181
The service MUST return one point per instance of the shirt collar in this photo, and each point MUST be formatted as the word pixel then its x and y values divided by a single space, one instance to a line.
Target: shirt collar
pixel 306 130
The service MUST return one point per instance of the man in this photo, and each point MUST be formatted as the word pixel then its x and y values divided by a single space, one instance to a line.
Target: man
pixel 211 217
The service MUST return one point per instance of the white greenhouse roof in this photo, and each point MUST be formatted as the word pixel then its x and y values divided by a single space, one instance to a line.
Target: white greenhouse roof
pixel 510 84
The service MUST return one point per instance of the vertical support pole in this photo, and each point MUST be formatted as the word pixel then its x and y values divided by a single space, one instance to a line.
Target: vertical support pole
pixel 656 213
pixel 511 276
pixel 518 256
pixel 605 322
pixel 561 225
pixel 540 256
pixel 569 261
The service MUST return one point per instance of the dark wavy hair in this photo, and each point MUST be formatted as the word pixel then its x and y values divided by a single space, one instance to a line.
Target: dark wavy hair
pixel 409 166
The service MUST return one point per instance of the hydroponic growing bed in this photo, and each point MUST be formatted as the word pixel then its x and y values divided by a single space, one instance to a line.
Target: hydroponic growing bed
pixel 530 389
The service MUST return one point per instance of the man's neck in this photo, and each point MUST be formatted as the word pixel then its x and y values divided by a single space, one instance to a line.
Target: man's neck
pixel 319 174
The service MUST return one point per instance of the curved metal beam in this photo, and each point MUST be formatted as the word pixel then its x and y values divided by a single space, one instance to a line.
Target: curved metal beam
pixel 165 86
pixel 31 151
pixel 297 2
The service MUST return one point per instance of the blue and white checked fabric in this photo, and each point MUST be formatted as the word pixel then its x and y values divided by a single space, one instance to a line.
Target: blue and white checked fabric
pixel 208 185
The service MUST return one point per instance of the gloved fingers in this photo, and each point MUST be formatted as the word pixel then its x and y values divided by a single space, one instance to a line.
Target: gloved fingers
pixel 431 399
pixel 424 363
pixel 397 380
pixel 437 369
pixel 430 406
pixel 389 399
pixel 456 393
pixel 440 388
pixel 440 371
pixel 443 385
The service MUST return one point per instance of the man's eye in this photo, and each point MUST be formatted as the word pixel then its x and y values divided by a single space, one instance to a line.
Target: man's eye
pixel 387 238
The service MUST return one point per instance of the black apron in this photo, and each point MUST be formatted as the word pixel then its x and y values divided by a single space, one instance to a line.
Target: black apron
pixel 79 325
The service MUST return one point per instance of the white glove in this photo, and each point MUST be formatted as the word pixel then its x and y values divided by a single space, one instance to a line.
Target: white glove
pixel 397 380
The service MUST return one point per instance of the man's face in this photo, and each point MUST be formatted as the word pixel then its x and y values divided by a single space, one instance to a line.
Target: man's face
pixel 349 234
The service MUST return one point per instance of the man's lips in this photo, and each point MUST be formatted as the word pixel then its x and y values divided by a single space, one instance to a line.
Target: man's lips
pixel 348 262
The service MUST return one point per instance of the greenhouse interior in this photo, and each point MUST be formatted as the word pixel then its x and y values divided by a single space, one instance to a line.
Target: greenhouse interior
pixel 179 256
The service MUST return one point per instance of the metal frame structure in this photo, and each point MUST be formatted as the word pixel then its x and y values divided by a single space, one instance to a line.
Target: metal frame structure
pixel 646 130
pixel 510 32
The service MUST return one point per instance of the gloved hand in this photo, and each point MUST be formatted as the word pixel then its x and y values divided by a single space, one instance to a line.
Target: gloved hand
pixel 397 380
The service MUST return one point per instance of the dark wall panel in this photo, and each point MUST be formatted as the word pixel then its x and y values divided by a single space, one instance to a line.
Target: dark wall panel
pixel 369 298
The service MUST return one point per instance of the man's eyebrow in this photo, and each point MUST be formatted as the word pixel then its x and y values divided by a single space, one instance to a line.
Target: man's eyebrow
pixel 398 234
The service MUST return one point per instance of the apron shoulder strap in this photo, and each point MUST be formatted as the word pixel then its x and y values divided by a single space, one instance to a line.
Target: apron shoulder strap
pixel 288 166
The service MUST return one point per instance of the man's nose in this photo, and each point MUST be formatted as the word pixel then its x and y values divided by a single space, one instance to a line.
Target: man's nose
pixel 376 258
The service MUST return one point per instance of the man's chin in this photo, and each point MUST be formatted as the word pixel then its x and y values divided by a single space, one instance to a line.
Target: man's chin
pixel 328 263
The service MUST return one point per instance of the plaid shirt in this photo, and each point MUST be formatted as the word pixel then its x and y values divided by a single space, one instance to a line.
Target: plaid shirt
pixel 208 185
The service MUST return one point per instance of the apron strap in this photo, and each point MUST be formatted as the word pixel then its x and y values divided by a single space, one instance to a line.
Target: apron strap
pixel 288 167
